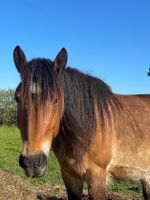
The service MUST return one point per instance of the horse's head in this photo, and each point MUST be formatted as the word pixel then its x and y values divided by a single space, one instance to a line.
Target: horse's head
pixel 40 102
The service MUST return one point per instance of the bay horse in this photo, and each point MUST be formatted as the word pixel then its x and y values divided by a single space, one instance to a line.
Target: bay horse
pixel 94 133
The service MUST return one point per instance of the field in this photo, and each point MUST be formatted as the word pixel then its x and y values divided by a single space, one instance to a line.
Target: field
pixel 48 187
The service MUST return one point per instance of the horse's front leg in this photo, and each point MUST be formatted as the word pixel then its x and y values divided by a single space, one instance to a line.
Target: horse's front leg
pixel 74 185
pixel 96 180
pixel 146 188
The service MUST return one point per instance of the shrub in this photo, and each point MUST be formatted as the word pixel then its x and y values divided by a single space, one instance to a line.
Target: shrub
pixel 7 107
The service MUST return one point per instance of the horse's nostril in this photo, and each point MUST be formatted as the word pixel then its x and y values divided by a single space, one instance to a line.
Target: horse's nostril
pixel 25 162
pixel 22 161
pixel 43 160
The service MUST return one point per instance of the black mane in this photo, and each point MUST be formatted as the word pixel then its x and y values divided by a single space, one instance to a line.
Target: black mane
pixel 83 95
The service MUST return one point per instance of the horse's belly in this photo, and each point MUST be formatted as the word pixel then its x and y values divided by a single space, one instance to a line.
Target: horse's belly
pixel 129 166
pixel 127 172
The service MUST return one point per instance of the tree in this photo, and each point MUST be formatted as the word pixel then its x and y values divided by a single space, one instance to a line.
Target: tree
pixel 7 107
pixel 148 73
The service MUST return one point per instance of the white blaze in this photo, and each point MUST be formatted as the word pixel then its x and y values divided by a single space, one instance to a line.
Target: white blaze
pixel 34 88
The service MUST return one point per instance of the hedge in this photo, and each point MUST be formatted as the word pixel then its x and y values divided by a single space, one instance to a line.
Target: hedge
pixel 7 108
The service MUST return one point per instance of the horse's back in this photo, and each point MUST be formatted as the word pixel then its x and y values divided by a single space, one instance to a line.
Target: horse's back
pixel 136 113
pixel 132 157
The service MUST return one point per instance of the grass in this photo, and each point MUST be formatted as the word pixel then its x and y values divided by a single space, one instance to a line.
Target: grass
pixel 126 187
pixel 10 148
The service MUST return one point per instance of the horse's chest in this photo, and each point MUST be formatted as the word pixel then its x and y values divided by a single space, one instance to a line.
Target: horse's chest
pixel 68 162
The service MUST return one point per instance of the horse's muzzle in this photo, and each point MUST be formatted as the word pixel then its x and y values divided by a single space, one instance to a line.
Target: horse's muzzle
pixel 34 165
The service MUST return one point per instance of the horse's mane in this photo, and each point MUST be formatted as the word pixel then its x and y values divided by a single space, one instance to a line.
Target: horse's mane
pixel 84 95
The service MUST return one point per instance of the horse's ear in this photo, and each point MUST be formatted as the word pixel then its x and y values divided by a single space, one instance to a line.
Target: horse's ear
pixel 19 58
pixel 60 60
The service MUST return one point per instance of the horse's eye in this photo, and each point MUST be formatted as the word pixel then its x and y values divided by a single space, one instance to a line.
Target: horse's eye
pixel 55 101
pixel 33 96
pixel 17 99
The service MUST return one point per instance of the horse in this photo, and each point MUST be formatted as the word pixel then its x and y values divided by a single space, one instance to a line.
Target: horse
pixel 96 135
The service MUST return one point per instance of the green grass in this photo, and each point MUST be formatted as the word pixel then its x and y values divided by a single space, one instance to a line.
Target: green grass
pixel 126 187
pixel 10 148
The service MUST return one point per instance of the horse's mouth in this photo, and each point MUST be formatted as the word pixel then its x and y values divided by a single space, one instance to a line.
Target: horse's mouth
pixel 35 172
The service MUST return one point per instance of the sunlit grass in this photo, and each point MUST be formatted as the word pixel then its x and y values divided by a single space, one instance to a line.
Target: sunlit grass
pixel 10 148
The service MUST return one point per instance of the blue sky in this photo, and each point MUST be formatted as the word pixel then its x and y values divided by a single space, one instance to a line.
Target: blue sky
pixel 109 39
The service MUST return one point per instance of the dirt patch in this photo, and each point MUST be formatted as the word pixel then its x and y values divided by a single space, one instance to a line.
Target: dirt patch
pixel 13 188
pixel 61 195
